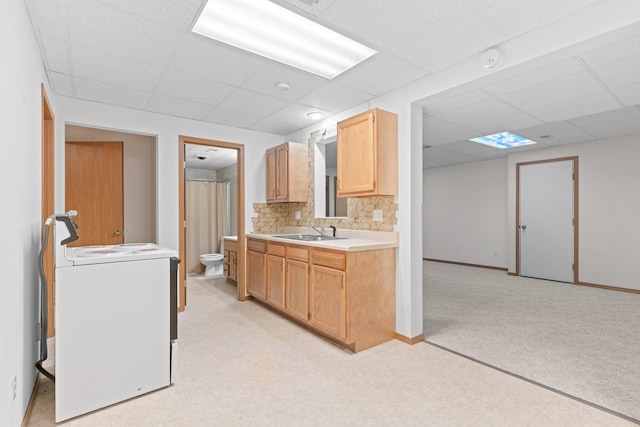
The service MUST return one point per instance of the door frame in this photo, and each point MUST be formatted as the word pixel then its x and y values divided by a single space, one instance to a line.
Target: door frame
pixel 182 281
pixel 576 222
pixel 48 198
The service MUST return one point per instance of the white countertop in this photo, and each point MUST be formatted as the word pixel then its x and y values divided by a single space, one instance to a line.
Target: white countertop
pixel 354 241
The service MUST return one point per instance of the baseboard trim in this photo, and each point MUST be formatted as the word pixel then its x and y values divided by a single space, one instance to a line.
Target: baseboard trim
pixel 32 402
pixel 410 341
pixel 511 273
pixel 610 288
pixel 490 267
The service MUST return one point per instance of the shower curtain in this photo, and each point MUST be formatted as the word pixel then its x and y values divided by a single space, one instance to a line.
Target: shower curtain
pixel 207 220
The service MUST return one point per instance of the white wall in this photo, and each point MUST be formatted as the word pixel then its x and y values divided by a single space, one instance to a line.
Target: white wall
pixel 21 74
pixel 139 173
pixel 166 129
pixel 465 213
pixel 609 208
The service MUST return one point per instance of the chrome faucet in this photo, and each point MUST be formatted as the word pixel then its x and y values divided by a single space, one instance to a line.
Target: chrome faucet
pixel 319 230
pixel 333 227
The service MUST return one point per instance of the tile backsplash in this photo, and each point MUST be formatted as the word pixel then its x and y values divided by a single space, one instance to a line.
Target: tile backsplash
pixel 272 217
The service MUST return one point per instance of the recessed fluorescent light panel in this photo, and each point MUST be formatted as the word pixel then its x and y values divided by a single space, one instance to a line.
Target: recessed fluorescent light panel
pixel 503 140
pixel 264 28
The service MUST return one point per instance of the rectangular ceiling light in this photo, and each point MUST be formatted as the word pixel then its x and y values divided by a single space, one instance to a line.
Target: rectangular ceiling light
pixel 503 140
pixel 275 32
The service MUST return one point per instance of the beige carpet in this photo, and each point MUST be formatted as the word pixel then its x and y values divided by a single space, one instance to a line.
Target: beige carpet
pixel 580 341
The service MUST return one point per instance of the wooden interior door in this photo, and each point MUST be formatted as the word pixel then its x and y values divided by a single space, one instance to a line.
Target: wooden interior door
pixel 94 188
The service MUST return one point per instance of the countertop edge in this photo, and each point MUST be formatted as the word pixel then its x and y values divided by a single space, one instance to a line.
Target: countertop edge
pixel 345 245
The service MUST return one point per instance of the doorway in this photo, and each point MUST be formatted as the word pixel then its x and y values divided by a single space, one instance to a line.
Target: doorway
pixel 237 206
pixel 48 193
pixel 547 219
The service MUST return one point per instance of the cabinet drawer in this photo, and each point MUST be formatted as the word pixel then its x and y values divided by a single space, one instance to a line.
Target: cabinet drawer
pixel 329 259
pixel 231 245
pixel 257 245
pixel 275 249
pixel 301 254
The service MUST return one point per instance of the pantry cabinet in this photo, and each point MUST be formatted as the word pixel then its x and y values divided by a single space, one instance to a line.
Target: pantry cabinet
pixel 288 173
pixel 347 297
pixel 367 151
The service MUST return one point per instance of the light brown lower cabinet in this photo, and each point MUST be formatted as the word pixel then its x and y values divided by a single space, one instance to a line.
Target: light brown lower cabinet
pixel 275 274
pixel 347 297
pixel 230 263
pixel 256 268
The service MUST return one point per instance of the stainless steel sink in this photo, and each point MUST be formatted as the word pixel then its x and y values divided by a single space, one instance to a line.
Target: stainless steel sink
pixel 309 237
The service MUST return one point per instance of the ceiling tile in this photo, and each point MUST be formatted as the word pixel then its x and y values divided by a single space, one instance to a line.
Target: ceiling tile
pixel 114 70
pixel 178 85
pixel 55 52
pixel 252 102
pixel 275 126
pixel 110 94
pixel 335 97
pixel 178 107
pixel 454 102
pixel 297 114
pixel 175 13
pixel 313 7
pixel 523 16
pixel 572 108
pixel 629 95
pixel 61 83
pixel 621 73
pixel 232 118
pixel 49 16
pixel 562 132
pixel 456 37
pixel 624 121
pixel 211 60
pixel 108 29
pixel 535 77
pixel 379 74
pixel 502 123
pixel 614 52
pixel 382 22
pixel 301 83
pixel 473 113
pixel 456 133
pixel 553 92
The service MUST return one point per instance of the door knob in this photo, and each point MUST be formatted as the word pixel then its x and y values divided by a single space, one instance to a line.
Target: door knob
pixel 116 233
pixel 524 227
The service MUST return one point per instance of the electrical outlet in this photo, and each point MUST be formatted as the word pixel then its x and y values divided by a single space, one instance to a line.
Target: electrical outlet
pixel 296 214
pixel 377 215
pixel 14 387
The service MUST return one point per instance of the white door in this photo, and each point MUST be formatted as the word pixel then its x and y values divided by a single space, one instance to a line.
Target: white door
pixel 546 220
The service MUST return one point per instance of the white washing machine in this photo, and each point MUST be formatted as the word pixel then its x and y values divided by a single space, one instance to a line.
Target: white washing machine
pixel 116 323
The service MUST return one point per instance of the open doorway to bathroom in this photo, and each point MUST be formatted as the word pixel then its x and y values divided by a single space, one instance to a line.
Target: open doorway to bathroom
pixel 211 197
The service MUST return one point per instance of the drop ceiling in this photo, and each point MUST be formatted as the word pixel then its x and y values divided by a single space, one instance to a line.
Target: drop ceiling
pixel 141 54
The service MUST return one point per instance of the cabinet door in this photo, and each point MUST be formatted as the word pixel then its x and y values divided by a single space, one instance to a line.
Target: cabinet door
pixel 233 265
pixel 275 280
pixel 357 158
pixel 297 289
pixel 256 273
pixel 327 302
pixel 282 172
pixel 271 174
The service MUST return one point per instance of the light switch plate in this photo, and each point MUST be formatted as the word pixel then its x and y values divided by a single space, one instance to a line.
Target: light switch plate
pixel 296 214
pixel 377 215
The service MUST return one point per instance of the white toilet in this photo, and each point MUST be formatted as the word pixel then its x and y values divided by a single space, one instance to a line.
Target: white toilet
pixel 214 264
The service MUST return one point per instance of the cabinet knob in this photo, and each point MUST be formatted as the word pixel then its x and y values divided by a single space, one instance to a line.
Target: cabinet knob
pixel 116 233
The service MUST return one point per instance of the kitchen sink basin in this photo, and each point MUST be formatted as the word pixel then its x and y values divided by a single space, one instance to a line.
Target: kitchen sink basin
pixel 309 237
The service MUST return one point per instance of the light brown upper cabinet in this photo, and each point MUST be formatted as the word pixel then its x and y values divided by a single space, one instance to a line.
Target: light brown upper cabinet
pixel 368 154
pixel 288 173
